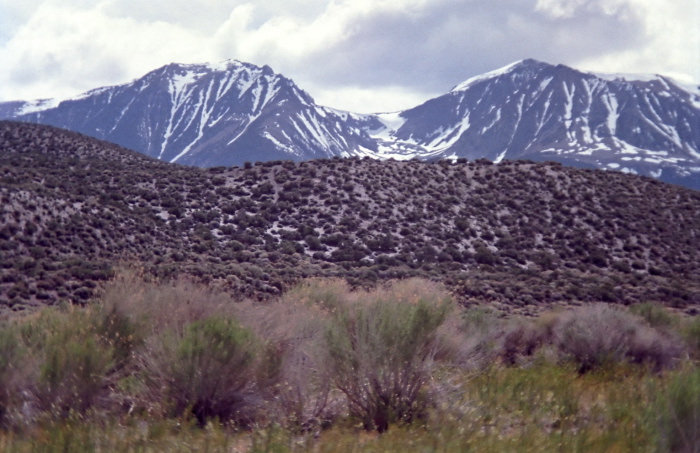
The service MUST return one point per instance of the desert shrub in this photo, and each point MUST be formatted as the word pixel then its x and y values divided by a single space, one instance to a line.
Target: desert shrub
pixel 298 391
pixel 10 355
pixel 380 352
pixel 120 331
pixel 295 384
pixel 654 314
pixel 301 386
pixel 156 306
pixel 74 363
pixel 522 339
pixel 207 368
pixel 678 411
pixel 479 318
pixel 326 293
pixel 601 334
pixel 691 335
pixel 511 340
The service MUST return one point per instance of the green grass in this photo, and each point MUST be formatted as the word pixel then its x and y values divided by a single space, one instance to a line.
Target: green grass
pixel 542 408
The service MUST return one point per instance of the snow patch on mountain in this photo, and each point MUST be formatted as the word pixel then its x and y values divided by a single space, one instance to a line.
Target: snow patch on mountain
pixel 486 76
pixel 38 106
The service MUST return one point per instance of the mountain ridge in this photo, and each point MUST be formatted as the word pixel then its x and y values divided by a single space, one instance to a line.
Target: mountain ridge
pixel 233 112
pixel 530 110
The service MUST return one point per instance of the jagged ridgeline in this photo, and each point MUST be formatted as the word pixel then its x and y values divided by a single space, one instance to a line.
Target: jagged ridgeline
pixel 519 235
pixel 231 112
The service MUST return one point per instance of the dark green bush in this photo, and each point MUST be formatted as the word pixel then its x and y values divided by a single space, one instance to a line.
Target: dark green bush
pixel 483 255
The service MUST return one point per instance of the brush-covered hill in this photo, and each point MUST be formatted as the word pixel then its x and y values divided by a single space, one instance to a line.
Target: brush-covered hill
pixel 519 235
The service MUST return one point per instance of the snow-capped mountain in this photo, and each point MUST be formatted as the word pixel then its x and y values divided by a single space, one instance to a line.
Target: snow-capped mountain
pixel 204 115
pixel 647 125
pixel 226 114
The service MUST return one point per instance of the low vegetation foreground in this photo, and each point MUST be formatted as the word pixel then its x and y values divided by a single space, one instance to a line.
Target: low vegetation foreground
pixel 174 366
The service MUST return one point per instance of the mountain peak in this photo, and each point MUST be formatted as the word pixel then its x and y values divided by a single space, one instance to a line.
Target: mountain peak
pixel 527 65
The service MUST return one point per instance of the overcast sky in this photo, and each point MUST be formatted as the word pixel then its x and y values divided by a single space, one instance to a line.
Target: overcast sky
pixel 358 55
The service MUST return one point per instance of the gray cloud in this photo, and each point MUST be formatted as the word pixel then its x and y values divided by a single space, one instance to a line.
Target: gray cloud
pixel 355 54
pixel 452 40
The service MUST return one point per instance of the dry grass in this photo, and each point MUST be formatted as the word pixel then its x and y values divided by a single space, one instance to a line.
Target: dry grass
pixel 600 333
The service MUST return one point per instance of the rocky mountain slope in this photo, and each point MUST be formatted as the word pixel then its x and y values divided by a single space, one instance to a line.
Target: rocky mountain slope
pixel 233 112
pixel 519 235
pixel 204 115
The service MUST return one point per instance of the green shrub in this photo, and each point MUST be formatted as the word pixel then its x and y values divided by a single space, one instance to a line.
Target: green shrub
pixel 74 363
pixel 207 368
pixel 654 314
pixel 679 414
pixel 380 353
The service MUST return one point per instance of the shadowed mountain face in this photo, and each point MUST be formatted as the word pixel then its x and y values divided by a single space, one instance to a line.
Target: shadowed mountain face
pixel 520 235
pixel 227 114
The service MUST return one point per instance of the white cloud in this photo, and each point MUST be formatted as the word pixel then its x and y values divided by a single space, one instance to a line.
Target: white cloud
pixel 569 8
pixel 673 46
pixel 369 100
pixel 288 38
pixel 63 50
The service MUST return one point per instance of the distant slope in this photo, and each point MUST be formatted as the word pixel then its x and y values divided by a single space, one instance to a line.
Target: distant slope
pixel 520 235
pixel 233 112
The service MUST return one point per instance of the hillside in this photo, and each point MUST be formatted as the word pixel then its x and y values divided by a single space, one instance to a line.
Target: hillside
pixel 519 235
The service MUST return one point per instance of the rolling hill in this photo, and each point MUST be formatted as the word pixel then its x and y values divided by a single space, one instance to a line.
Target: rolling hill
pixel 519 235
